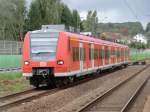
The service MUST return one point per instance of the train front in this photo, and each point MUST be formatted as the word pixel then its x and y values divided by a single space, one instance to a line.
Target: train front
pixel 39 53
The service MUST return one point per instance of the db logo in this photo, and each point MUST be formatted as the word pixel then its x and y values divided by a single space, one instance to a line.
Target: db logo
pixel 42 64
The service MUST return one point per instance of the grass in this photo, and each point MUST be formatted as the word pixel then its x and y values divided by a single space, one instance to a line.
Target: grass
pixel 12 83
pixel 10 76
pixel 140 56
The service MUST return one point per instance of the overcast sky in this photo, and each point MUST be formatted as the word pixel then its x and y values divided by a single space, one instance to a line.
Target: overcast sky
pixel 114 10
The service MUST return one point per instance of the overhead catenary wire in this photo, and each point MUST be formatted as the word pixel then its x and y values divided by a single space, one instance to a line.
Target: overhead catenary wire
pixel 143 12
pixel 131 9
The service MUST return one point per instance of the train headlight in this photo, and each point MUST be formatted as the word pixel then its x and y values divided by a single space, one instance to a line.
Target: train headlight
pixel 26 63
pixel 60 62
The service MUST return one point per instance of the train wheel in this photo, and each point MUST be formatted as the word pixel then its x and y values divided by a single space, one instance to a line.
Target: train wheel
pixel 65 81
pixel 50 82
pixel 34 81
pixel 36 84
pixel 59 83
pixel 71 79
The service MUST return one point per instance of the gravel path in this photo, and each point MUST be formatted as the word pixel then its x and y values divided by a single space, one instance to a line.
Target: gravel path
pixel 66 96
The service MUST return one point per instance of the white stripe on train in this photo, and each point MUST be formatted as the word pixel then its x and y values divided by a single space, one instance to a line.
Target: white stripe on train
pixel 78 72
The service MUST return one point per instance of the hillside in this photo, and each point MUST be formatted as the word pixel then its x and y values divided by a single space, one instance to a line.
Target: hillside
pixel 128 28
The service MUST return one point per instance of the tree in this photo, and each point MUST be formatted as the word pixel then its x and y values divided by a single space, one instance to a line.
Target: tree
pixel 12 19
pixel 15 20
pixel 44 12
pixel 147 31
pixel 91 22
pixel 76 19
pixel 66 16
pixel 147 28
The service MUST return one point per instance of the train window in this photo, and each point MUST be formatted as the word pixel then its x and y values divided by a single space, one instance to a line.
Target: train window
pixel 101 54
pixel 126 53
pixel 118 53
pixel 95 53
pixel 81 56
pixel 107 54
pixel 90 54
pixel 112 52
pixel 84 54
pixel 75 54
pixel 121 52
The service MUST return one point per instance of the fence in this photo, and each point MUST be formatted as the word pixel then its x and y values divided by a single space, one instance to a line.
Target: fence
pixel 10 54
pixel 139 54
pixel 10 47
pixel 10 61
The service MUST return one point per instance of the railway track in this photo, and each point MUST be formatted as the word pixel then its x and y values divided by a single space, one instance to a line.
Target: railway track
pixel 10 101
pixel 16 99
pixel 119 97
pixel 29 95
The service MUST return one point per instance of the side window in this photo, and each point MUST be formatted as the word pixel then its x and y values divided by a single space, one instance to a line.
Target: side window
pixel 112 52
pixel 101 54
pixel 90 57
pixel 75 53
pixel 118 53
pixel 122 52
pixel 92 53
pixel 81 57
pixel 84 54
pixel 95 53
pixel 107 54
pixel 126 52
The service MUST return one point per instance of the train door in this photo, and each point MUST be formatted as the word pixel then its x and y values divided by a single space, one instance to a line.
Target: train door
pixel 103 59
pixel 115 54
pixel 92 54
pixel 124 54
pixel 81 56
pixel 109 55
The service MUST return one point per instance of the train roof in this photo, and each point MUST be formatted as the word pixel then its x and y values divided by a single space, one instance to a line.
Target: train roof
pixel 92 39
pixel 80 37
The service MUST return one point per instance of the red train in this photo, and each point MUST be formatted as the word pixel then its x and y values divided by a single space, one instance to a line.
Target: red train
pixel 57 57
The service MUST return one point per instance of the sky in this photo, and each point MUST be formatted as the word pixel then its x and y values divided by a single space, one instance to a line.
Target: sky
pixel 113 10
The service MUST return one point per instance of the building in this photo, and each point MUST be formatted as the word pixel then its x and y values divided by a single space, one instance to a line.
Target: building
pixel 86 33
pixel 140 38
pixel 115 37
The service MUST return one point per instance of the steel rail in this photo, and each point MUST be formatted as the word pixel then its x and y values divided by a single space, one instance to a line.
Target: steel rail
pixel 108 92
pixel 133 97
pixel 8 105
pixel 16 94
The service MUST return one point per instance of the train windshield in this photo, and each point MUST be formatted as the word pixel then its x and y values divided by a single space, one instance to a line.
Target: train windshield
pixel 43 45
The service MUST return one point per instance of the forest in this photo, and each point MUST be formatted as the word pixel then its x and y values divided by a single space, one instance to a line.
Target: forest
pixel 17 18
